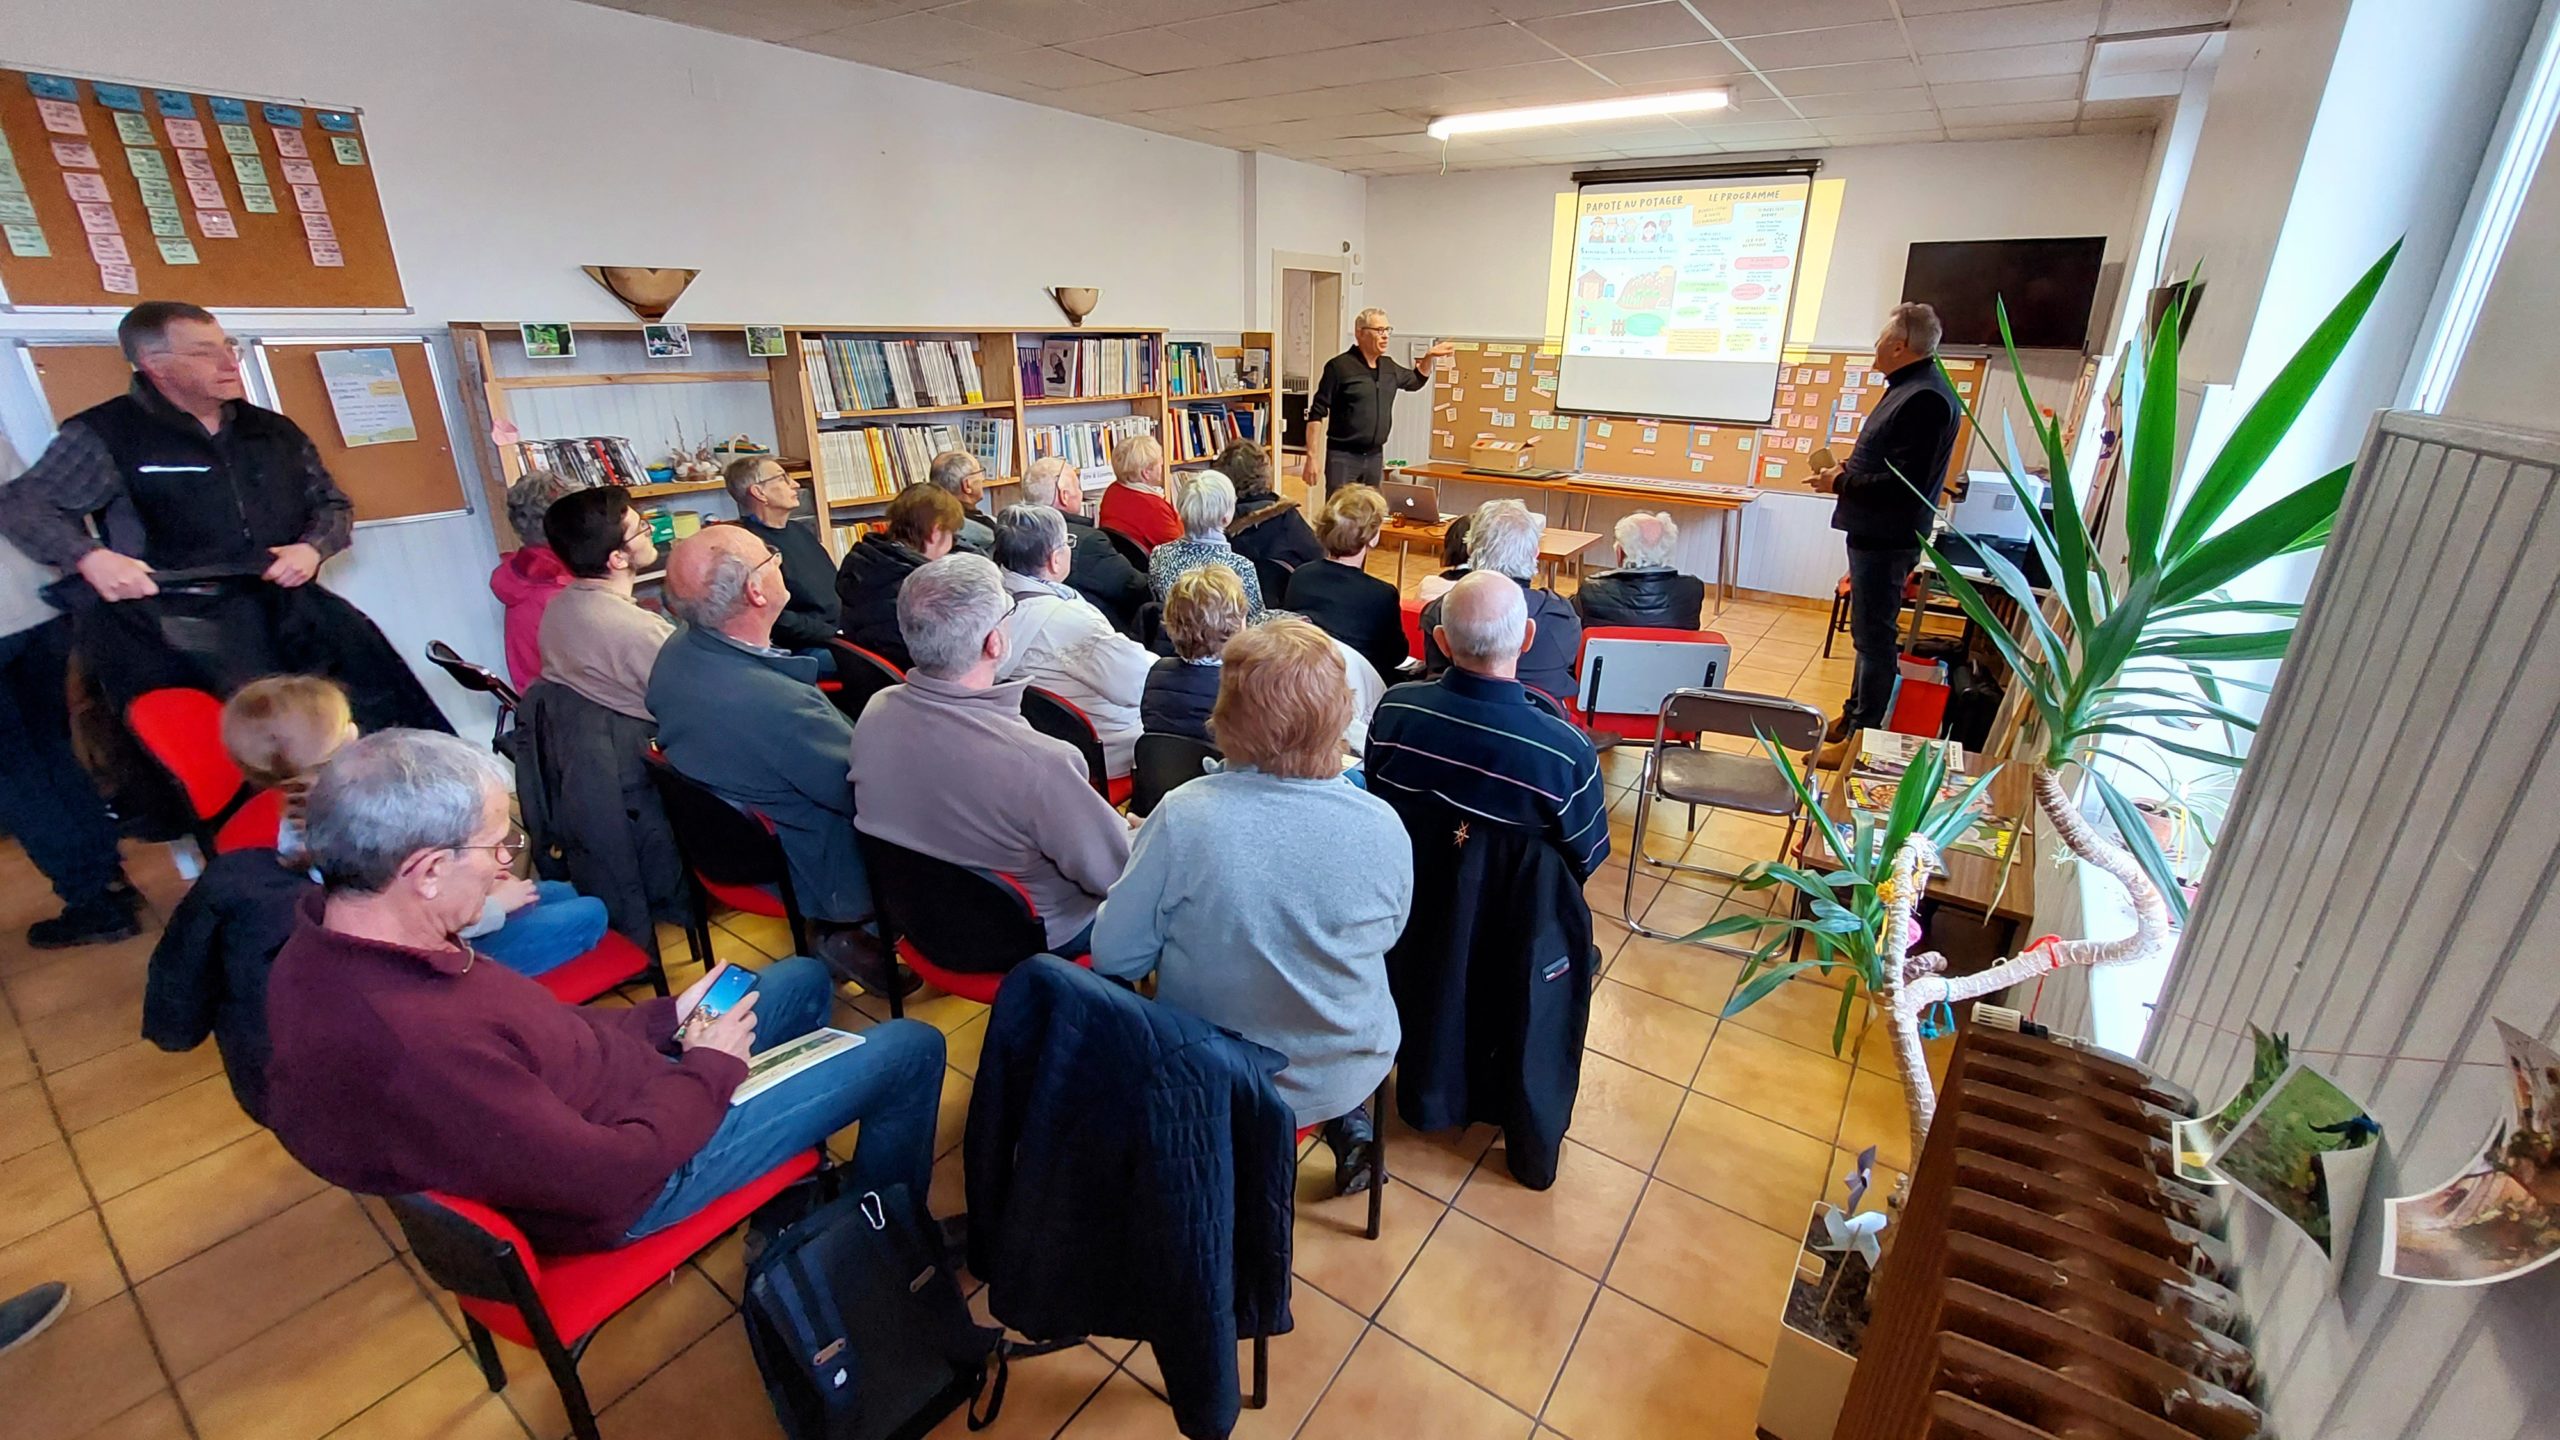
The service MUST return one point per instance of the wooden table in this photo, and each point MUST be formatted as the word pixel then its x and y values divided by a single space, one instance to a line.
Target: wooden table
pixel 1726 505
pixel 1974 883
pixel 1554 546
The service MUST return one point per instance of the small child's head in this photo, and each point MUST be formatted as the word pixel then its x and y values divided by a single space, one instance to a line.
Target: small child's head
pixel 284 727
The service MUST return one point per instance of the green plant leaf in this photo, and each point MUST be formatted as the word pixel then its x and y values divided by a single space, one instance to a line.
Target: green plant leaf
pixel 1811 803
pixel 1752 991
pixel 2139 842
pixel 2151 446
pixel 1944 826
pixel 2243 645
pixel 2213 708
pixel 2263 428
pixel 2210 606
pixel 2034 674
pixel 1727 925
pixel 2209 757
pixel 2252 542
pixel 1840 1022
pixel 2103 653
pixel 2013 581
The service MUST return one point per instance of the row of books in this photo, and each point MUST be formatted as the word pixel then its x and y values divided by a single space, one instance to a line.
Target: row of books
pixel 874 462
pixel 850 373
pixel 1101 367
pixel 1087 444
pixel 1194 367
pixel 1201 431
pixel 588 459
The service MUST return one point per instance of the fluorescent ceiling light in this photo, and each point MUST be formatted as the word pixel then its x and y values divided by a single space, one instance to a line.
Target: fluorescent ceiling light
pixel 1580 112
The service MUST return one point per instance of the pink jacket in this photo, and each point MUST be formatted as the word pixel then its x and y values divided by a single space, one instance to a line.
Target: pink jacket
pixel 524 582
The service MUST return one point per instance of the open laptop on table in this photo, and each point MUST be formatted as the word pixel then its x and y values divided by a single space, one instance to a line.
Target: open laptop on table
pixel 1413 504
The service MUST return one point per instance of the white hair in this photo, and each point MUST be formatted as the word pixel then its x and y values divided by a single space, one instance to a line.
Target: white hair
pixel 1026 536
pixel 1503 538
pixel 723 594
pixel 391 794
pixel 1646 539
pixel 1206 502
pixel 1134 456
pixel 1365 318
pixel 1042 478
pixel 947 607
pixel 1485 619
pixel 1916 326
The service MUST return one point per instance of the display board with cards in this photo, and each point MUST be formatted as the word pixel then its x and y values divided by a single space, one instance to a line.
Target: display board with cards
pixel 113 193
pixel 1824 399
pixel 1500 390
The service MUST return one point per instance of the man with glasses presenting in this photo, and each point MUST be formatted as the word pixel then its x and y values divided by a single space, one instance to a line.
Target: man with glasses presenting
pixel 1355 404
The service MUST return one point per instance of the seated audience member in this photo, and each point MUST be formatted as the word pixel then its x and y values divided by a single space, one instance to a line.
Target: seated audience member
pixel 400 1065
pixel 923 523
pixel 1206 502
pixel 1476 738
pixel 1644 589
pixel 1301 966
pixel 1503 540
pixel 946 765
pixel 1055 639
pixel 1202 613
pixel 963 477
pixel 1268 529
pixel 1340 595
pixel 1134 504
pixel 529 575
pixel 1100 573
pixel 766 496
pixel 596 639
pixel 748 722
pixel 1453 561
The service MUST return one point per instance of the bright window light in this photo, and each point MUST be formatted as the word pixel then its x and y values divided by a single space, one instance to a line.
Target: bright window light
pixel 1580 112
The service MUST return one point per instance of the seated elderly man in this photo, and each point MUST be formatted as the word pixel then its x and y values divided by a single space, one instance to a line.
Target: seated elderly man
pixel 1502 539
pixel 747 720
pixel 1206 501
pixel 963 476
pixel 400 1063
pixel 1645 589
pixel 946 765
pixel 596 639
pixel 1100 573
pixel 1055 639
pixel 1478 738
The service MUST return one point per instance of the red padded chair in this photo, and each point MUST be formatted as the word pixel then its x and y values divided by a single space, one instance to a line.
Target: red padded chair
pixel 1411 607
pixel 554 1305
pixel 613 963
pixel 860 674
pixel 959 928
pixel 182 729
pixel 1637 725
pixel 1059 718
pixel 730 855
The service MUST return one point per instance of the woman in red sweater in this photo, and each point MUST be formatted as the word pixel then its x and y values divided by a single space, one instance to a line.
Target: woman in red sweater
pixel 1135 505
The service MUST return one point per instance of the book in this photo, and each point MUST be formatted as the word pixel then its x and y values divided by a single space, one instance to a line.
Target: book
pixel 860 463
pixel 1087 443
pixel 849 374
pixel 1884 752
pixel 791 1057
pixel 589 459
pixel 1063 367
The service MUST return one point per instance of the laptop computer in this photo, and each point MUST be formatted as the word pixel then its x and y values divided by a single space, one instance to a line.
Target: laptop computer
pixel 1419 504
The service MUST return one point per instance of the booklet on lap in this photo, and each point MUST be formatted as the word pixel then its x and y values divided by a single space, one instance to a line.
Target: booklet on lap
pixel 789 1058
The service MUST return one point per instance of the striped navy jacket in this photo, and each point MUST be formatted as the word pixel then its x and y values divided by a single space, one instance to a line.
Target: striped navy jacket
pixel 1486 747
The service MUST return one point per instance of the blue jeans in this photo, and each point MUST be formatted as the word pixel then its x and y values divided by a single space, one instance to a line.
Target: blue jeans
pixel 46 799
pixel 891 1082
pixel 1876 580
pixel 558 927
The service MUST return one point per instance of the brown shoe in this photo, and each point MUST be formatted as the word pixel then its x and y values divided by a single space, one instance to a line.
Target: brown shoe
pixel 1838 730
pixel 1833 755
pixel 854 955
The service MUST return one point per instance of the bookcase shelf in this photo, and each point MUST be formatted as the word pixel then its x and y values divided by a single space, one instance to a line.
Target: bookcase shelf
pixel 1092 399
pixel 1221 395
pixel 858 416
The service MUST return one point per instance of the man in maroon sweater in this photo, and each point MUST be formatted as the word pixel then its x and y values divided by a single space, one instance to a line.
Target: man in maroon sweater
pixel 402 1062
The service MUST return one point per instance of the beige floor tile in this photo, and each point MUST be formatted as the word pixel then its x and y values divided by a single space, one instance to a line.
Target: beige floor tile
pixel 1123 1410
pixel 1757 1167
pixel 217 1300
pixel 962 1046
pixel 1878 1115
pixel 1330 1248
pixel 1435 1162
pixel 1490 1308
pixel 91 975
pixel 151 1140
pixel 125 1078
pixel 38 1190
pixel 83 1032
pixel 1708 1268
pixel 1041 1393
pixel 158 1418
pixel 711 1389
pixel 385 1224
pixel 74 1251
pixel 1647 1031
pixel 1637 1376
pixel 200 1204
pixel 1691 975
pixel 26 1119
pixel 87 1369
pixel 1390 1388
pixel 321 1368
pixel 951 1120
pixel 449 1402
pixel 1576 1220
pixel 1621 1111
pixel 1303 1362
pixel 949 1193
pixel 1796 1087
pixel 630 1348
pixel 768 934
pixel 1807 1015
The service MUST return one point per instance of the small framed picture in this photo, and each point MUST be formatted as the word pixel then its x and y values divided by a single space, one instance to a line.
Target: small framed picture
pixel 666 342
pixel 549 342
pixel 764 342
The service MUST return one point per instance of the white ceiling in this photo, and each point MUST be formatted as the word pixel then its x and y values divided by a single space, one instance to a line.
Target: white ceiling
pixel 1350 83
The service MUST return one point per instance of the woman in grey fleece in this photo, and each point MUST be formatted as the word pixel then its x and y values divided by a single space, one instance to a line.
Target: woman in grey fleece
pixel 1264 898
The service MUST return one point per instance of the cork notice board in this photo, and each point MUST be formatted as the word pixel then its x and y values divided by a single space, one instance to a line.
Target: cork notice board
pixel 75 377
pixel 387 482
pixel 1499 390
pixel 116 193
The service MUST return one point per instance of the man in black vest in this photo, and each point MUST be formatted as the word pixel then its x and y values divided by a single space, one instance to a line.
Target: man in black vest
pixel 1888 493
pixel 202 519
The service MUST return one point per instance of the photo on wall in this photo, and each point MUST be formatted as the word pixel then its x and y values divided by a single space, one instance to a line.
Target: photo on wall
pixel 666 342
pixel 2500 1217
pixel 764 342
pixel 549 342
pixel 2304 1155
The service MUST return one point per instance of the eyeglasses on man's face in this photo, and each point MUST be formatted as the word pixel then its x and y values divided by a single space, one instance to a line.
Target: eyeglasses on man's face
pixel 505 851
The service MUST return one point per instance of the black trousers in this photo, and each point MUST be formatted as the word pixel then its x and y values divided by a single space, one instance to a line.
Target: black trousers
pixel 1876 581
pixel 1352 467
pixel 46 799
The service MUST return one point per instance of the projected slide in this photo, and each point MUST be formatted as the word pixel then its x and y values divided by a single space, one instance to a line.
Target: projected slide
pixel 1678 297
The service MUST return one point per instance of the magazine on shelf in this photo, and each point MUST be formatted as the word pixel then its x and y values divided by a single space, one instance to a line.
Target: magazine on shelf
pixel 790 1058
pixel 1884 752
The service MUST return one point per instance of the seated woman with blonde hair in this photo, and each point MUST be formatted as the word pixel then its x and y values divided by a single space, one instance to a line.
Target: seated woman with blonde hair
pixel 1202 612
pixel 1302 966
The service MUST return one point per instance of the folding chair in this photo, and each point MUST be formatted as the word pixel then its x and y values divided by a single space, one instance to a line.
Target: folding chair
pixel 1677 770
pixel 1626 670
pixel 481 680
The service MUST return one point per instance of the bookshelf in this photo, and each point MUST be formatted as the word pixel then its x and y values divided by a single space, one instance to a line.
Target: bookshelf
pixel 1204 410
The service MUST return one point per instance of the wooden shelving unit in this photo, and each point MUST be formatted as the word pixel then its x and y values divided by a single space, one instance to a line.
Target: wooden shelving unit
pixel 1266 399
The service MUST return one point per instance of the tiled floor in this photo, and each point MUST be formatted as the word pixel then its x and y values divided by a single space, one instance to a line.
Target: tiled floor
pixel 222 1292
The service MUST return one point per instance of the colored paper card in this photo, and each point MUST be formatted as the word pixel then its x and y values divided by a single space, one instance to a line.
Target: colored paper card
pixel 307 198
pixel 239 139
pixel 319 227
pixel 206 193
pixel 53 87
pixel 146 162
pixel 17 208
pixel 299 172
pixel 11 178
pixel 195 164
pixel 257 199
pixel 87 188
pixel 250 169
pixel 134 129
pixel 289 144
pixel 166 225
pixel 186 132
pixel 98 219
pixel 340 121
pixel 285 115
pixel 62 117
pixel 27 242
pixel 116 97
pixel 229 112
pixel 180 251
pixel 176 105
pixel 109 250
pixel 327 253
pixel 217 225
pixel 348 149
pixel 119 280
pixel 75 155
pixel 157 194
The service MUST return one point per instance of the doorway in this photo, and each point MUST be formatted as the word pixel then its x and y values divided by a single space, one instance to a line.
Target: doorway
pixel 1312 292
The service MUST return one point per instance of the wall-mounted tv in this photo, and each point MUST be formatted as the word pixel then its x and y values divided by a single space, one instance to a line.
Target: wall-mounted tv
pixel 2049 286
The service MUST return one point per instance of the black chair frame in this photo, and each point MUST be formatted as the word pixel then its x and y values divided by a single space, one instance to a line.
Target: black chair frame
pixel 467 1260
pixel 1165 763
pixel 479 679
pixel 1058 718
pixel 1128 546
pixel 1260 1395
pixel 742 851
pixel 860 674
pixel 957 918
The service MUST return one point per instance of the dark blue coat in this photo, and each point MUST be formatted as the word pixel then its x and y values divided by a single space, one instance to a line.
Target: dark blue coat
pixel 1131 1172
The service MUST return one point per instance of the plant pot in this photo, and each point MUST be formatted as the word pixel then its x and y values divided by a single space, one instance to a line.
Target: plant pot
pixel 1808 1372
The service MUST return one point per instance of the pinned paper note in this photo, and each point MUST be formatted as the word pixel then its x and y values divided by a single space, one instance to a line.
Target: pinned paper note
pixel 1510 395
pixel 109 250
pixel 118 280
pixel 257 199
pixel 27 242
pixel 75 155
pixel 62 117
pixel 186 134
pixel 285 116
pixel 229 112
pixel 289 144
pixel 250 169
pixel 239 139
pixel 217 225
pixel 1821 377
pixel 177 252
pixel 17 208
pixel 1804 445
pixel 175 105
pixel 1649 432
pixel 1742 442
pixel 146 162
pixel 205 193
pixel 337 120
pixel 116 97
pixel 348 149
pixel 98 219
pixel 1697 467
pixel 1602 429
pixel 299 172
pixel 195 164
pixel 166 225
pixel 53 87
pixel 1773 469
pixel 89 189
pixel 319 227
pixel 308 197
pixel 326 252
pixel 134 129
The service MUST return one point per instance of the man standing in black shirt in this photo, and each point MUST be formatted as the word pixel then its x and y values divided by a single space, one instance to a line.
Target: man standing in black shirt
pixel 1355 403
pixel 1888 493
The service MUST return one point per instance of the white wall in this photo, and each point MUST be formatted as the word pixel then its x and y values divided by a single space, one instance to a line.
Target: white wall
pixel 2510 372
pixel 1307 210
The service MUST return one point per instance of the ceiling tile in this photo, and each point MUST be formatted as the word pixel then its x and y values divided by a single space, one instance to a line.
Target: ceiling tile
pixel 1862 102
pixel 1330 23
pixel 1545 82
pixel 1760 133
pixel 1255 110
pixel 2067 58
pixel 1476 48
pixel 2140 109
pixel 2011 25
pixel 1706 60
pixel 1151 92
pixel 2131 57
pixel 2007 92
pixel 1345 66
pixel 1942 7
pixel 1915 123
pixel 1041 22
pixel 1840 45
pixel 1410 94
pixel 1695 145
pixel 910 41
pixel 2147 85
pixel 1137 13
pixel 1542 9
pixel 2005 132
pixel 1739 19
pixel 1042 67
pixel 2123 125
pixel 2042 112
pixel 2127 16
pixel 1334 127
pixel 1565 148
pixel 1630 27
pixel 1248 34
pixel 1156 51
pixel 1845 79
pixel 775 20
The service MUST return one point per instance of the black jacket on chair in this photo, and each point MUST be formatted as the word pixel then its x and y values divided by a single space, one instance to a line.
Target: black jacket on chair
pixel 867 592
pixel 1273 533
pixel 590 813
pixel 1101 574
pixel 1492 979
pixel 1131 1173
pixel 208 974
pixel 1656 595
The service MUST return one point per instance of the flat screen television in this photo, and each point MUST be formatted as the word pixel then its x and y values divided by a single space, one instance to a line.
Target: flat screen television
pixel 2049 286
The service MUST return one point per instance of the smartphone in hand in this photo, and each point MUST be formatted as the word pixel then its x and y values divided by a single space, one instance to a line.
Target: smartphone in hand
pixel 726 991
